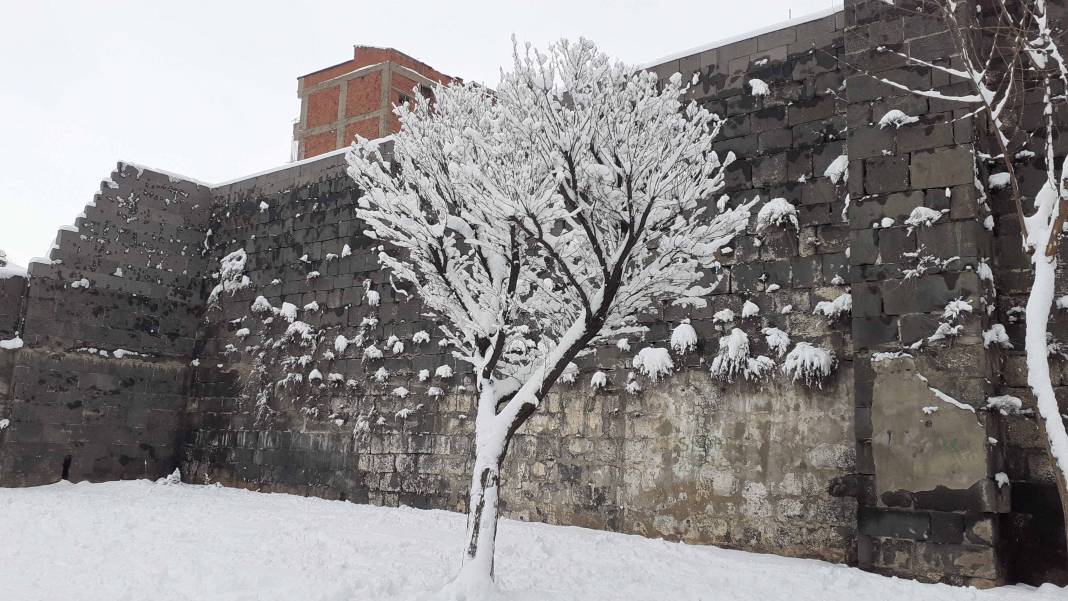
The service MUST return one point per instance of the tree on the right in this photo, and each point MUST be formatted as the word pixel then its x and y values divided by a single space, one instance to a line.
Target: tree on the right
pixel 1007 67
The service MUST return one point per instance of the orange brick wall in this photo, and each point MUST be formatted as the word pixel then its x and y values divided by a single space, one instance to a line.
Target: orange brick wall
pixel 329 73
pixel 364 94
pixel 369 55
pixel 367 128
pixel 320 143
pixel 322 106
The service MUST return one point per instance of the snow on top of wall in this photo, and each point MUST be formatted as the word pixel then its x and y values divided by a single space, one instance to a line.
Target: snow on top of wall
pixel 174 176
pixel 814 16
pixel 12 271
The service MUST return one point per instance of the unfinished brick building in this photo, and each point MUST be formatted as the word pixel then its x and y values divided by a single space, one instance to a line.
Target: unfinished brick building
pixel 357 97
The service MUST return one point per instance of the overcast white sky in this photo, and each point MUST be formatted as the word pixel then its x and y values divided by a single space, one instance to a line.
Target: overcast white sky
pixel 208 89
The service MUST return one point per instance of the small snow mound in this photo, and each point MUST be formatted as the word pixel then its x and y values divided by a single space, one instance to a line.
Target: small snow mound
pixel 684 337
pixel 838 170
pixel 777 211
pixel 598 380
pixel 836 308
pixel 171 479
pixel 723 316
pixel 996 335
pixel 750 309
pixel 758 87
pixel 11 343
pixel 922 216
pixel 808 363
pixel 733 356
pixel 261 305
pixel 998 180
pixel 896 118
pixel 653 362
pixel 570 373
pixel 1005 404
pixel 777 340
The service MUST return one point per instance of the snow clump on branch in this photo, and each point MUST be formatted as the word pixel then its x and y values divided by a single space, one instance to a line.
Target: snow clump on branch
pixel 777 211
pixel 653 362
pixel 808 363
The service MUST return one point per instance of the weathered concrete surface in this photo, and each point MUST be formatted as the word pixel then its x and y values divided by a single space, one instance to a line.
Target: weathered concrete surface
pixel 919 440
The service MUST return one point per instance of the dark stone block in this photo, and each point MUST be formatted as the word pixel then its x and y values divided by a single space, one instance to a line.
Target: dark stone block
pixel 886 174
pixel 894 523
pixel 872 332
pixel 947 528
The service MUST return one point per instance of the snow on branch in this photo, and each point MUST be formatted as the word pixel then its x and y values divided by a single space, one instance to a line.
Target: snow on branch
pixel 776 212
pixel 809 363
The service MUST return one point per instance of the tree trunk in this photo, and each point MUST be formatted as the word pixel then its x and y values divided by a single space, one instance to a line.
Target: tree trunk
pixel 491 442
pixel 1052 425
pixel 482 514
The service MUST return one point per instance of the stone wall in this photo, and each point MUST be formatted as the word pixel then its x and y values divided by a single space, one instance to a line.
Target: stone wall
pixel 98 390
pixel 272 352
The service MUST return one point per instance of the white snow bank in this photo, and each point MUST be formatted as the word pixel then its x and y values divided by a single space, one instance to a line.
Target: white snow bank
pixel 67 541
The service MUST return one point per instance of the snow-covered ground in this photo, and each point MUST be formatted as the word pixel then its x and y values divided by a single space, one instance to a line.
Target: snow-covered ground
pixel 139 541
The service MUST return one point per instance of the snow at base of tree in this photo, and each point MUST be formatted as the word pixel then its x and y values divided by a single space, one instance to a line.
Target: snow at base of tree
pixel 67 541
pixel 896 118
pixel 654 363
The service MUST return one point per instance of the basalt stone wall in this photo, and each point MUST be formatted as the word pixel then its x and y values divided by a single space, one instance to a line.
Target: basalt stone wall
pixel 98 389
pixel 277 405
pixel 12 292
pixel 1031 534
pixel 961 493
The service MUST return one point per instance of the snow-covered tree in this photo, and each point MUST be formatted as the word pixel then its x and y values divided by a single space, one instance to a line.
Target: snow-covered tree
pixel 541 219
pixel 1007 62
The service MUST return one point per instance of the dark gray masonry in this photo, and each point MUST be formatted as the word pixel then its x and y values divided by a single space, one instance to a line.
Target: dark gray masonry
pixel 134 364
